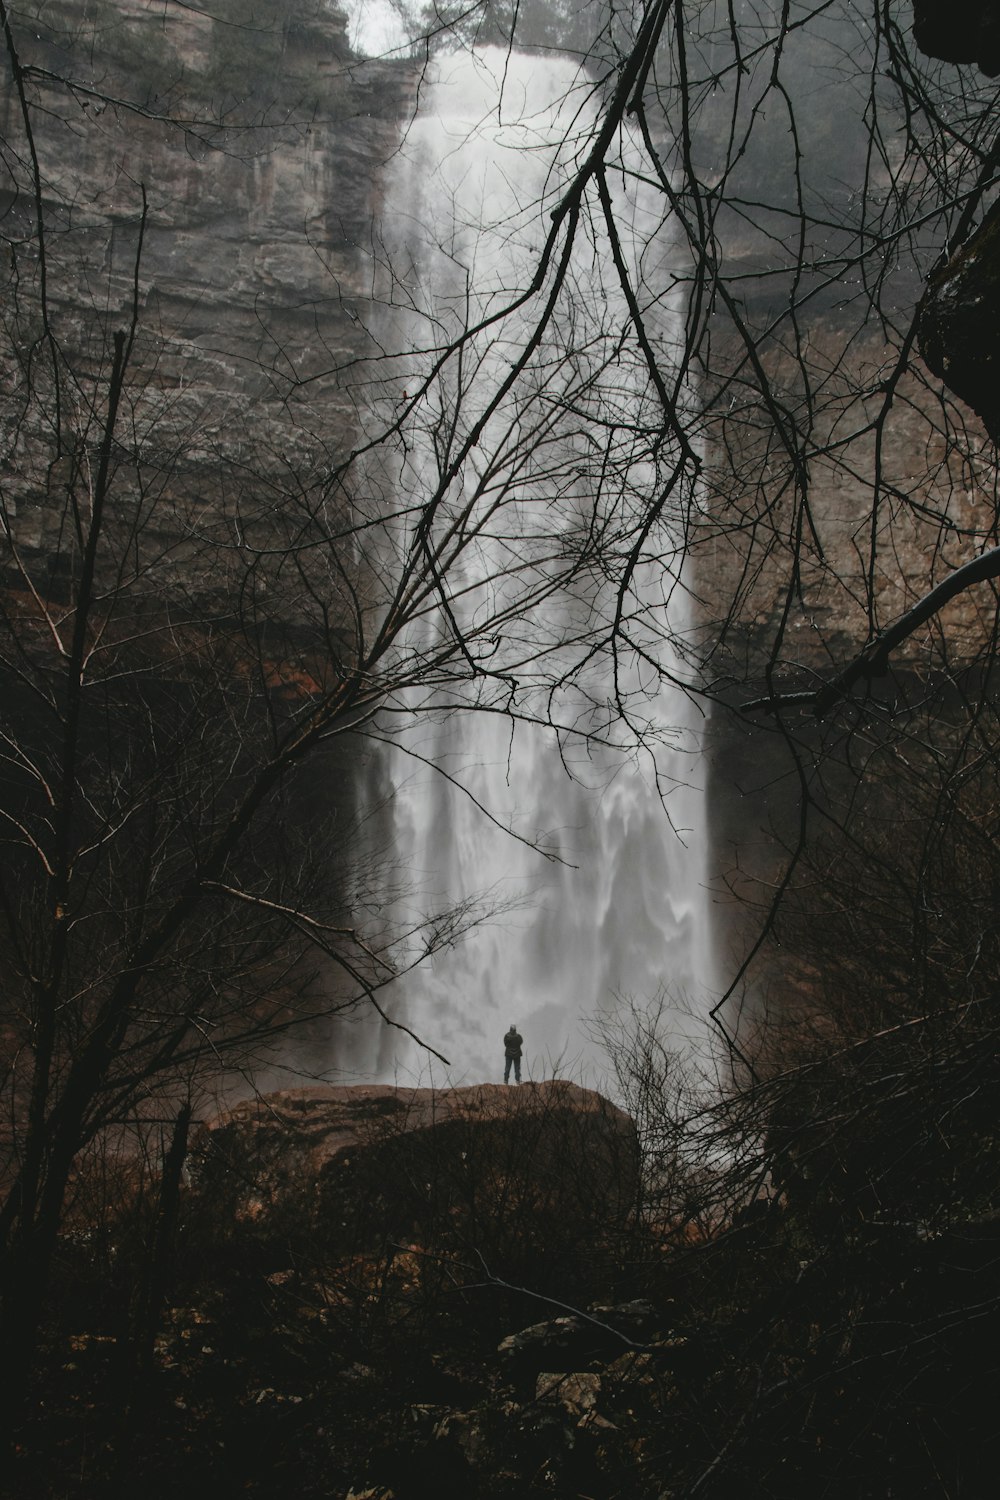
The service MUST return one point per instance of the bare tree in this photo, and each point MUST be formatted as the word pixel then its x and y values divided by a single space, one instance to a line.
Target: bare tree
pixel 732 407
pixel 192 620
pixel 793 466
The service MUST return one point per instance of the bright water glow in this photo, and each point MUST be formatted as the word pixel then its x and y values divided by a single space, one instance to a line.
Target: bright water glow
pixel 376 27
pixel 618 907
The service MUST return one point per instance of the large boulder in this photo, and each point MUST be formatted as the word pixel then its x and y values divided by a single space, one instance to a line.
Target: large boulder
pixel 486 1169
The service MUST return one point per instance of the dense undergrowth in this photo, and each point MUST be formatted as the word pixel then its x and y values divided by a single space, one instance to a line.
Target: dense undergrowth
pixel 834 1335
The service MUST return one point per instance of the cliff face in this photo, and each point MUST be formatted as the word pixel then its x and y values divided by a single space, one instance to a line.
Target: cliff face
pixel 224 179
pixel 843 480
pixel 227 177
pixel 876 501
pixel 843 485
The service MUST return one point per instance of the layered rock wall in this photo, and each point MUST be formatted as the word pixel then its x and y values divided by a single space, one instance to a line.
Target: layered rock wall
pixel 221 182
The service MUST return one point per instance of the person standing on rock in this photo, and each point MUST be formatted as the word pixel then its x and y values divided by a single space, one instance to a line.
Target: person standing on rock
pixel 512 1044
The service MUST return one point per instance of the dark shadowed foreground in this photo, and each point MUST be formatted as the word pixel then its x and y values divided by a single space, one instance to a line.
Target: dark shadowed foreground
pixel 505 1293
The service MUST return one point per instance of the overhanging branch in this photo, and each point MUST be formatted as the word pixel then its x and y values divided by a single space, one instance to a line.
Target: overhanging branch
pixel 873 661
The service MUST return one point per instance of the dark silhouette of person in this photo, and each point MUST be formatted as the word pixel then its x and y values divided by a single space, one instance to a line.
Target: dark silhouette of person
pixel 512 1044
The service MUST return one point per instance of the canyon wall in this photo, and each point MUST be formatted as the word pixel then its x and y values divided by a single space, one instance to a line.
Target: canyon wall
pixel 222 180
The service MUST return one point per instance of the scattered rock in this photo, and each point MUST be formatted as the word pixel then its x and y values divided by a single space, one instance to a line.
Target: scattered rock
pixel 424 1417
pixel 464 1430
pixel 556 1336
pixel 576 1392
pixel 568 1343
pixel 631 1370
pixel 634 1319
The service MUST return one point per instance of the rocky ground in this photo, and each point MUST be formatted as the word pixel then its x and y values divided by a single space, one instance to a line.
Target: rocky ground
pixel 391 1294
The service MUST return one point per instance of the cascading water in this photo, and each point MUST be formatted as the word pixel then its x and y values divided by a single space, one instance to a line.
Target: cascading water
pixel 593 856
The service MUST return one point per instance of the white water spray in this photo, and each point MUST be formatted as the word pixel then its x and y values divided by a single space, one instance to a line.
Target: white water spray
pixel 614 904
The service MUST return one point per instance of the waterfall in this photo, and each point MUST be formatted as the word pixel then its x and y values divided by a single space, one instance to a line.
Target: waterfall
pixel 598 884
